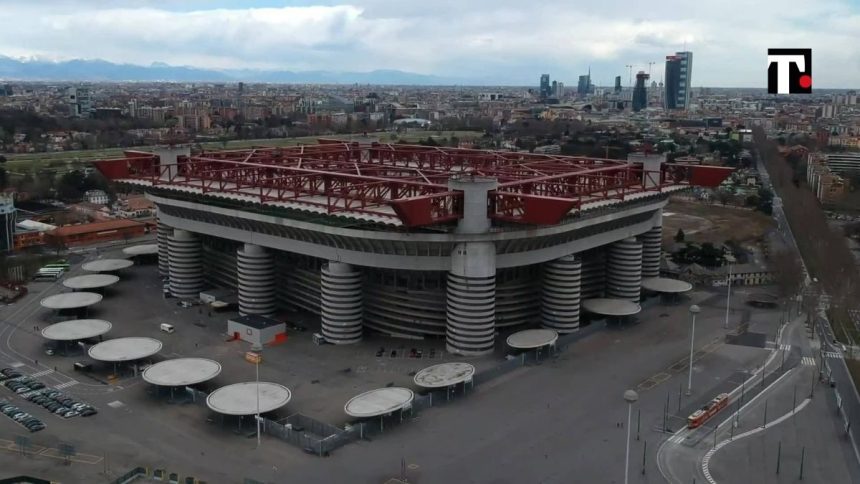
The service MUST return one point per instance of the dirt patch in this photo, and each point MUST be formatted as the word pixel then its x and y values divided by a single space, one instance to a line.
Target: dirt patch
pixel 713 223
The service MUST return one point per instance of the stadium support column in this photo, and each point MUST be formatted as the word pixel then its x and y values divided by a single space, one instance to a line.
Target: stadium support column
pixel 471 285
pixel 652 248
pixel 256 280
pixel 561 294
pixel 163 234
pixel 186 264
pixel 651 252
pixel 624 270
pixel 341 303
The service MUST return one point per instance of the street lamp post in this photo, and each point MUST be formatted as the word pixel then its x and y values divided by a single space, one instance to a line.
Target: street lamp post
pixel 630 396
pixel 694 310
pixel 728 298
pixel 257 378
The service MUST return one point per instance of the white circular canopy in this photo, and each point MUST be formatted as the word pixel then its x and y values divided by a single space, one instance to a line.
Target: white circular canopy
pixel 444 375
pixel 107 265
pixel 76 329
pixel 144 249
pixel 182 371
pixel 71 300
pixel 91 281
pixel 241 398
pixel 611 307
pixel 125 349
pixel 381 401
pixel 528 339
pixel 666 285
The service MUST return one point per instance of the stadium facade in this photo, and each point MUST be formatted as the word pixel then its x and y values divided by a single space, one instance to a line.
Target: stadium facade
pixel 409 241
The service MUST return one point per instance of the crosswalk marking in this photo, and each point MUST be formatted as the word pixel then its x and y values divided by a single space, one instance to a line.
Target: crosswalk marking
pixel 677 439
pixel 66 385
pixel 42 373
pixel 832 354
pixel 808 361
pixel 785 347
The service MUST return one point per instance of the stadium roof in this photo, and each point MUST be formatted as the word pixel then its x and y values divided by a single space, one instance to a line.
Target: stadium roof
pixel 406 184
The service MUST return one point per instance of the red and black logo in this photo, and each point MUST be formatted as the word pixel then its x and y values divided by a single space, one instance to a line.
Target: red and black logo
pixel 789 71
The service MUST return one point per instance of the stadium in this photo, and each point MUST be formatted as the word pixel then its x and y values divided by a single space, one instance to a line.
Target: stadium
pixel 409 241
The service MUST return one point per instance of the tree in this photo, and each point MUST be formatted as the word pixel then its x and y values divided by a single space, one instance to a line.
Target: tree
pixel 679 237
pixel 4 178
pixel 787 271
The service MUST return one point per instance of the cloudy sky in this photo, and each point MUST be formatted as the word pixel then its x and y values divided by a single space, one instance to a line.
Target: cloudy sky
pixel 498 41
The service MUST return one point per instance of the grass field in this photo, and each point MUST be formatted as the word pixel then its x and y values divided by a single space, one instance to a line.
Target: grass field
pixel 713 223
pixel 21 163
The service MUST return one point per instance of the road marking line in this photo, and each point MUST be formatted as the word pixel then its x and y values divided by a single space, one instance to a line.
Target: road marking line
pixel 706 460
pixel 42 373
pixel 66 385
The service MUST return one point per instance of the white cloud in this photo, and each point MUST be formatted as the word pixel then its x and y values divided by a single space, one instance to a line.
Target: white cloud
pixel 505 40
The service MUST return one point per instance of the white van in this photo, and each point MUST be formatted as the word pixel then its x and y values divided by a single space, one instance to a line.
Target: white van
pixel 167 328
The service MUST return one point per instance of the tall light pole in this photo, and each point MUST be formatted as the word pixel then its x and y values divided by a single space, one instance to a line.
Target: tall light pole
pixel 629 75
pixel 257 367
pixel 728 297
pixel 694 310
pixel 630 397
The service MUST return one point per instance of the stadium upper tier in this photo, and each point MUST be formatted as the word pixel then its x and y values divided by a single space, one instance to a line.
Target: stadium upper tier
pixel 406 185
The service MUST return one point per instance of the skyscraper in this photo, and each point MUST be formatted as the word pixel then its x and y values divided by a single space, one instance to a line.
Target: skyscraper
pixel 584 85
pixel 640 93
pixel 617 84
pixel 545 89
pixel 679 71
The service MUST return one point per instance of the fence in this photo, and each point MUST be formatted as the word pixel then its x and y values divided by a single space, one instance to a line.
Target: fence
pixel 130 476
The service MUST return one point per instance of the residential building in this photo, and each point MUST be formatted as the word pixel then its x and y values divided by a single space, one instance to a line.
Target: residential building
pixel 80 104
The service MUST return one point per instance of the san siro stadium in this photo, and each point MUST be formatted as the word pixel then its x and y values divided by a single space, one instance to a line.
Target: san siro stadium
pixel 409 241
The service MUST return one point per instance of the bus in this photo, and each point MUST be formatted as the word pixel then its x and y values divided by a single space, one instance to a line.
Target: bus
pixel 699 417
pixel 58 265
pixel 48 274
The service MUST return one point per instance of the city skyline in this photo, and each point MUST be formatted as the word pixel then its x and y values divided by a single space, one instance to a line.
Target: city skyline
pixel 480 43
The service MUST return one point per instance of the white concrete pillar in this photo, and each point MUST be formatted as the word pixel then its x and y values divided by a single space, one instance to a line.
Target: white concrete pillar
pixel 624 270
pixel 163 232
pixel 560 297
pixel 471 299
pixel 255 277
pixel 186 264
pixel 341 303
pixel 652 248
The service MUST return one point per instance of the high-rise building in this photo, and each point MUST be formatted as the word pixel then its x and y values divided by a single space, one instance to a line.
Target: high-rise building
pixel 617 84
pixel 640 93
pixel 80 104
pixel 559 90
pixel 584 85
pixel 545 90
pixel 679 71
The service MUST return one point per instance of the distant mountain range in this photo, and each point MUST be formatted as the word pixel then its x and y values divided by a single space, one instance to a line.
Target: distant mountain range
pixel 100 70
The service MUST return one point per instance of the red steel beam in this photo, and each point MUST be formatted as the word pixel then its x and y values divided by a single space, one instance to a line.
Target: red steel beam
pixel 412 180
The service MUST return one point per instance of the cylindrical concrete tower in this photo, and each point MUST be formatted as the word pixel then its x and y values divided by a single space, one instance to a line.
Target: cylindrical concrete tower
pixel 186 267
pixel 163 232
pixel 471 286
pixel 255 276
pixel 341 304
pixel 652 246
pixel 561 294
pixel 624 270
